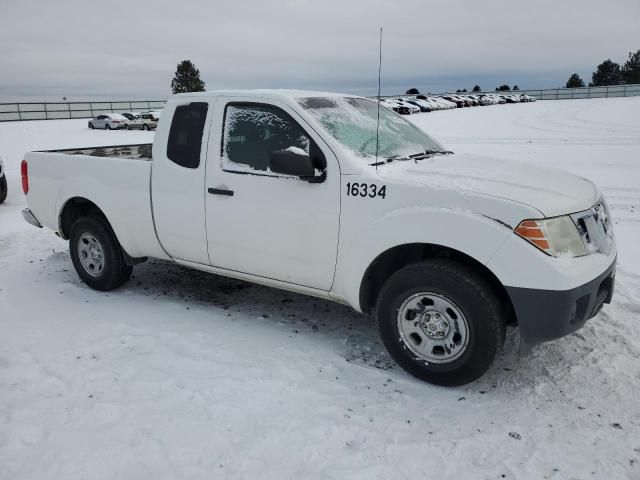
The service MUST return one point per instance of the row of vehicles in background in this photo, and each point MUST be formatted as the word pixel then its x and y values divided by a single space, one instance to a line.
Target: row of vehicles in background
pixel 407 105
pixel 126 120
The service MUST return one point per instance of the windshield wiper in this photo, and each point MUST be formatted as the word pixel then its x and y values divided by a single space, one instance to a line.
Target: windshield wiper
pixel 414 156
pixel 385 160
pixel 428 153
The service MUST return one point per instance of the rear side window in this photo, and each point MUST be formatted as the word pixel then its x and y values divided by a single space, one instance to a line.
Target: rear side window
pixel 185 136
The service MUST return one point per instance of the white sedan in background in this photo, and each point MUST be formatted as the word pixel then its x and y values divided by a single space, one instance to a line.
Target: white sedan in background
pixel 108 121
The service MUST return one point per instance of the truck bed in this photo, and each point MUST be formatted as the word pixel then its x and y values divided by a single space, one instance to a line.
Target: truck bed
pixel 141 151
pixel 115 178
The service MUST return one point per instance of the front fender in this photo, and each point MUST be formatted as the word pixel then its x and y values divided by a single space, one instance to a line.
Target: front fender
pixel 471 233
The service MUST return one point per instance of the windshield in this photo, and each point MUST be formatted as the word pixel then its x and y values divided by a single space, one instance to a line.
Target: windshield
pixel 352 122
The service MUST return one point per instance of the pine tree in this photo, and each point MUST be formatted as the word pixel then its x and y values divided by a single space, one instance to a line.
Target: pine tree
pixel 515 87
pixel 187 78
pixel 413 91
pixel 607 73
pixel 631 68
pixel 503 88
pixel 477 88
pixel 575 81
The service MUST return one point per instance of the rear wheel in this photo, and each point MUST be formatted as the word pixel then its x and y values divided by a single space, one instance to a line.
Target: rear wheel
pixel 107 126
pixel 441 321
pixel 91 126
pixel 3 188
pixel 145 127
pixel 97 255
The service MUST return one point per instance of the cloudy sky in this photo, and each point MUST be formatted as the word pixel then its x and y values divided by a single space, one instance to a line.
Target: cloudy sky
pixel 130 48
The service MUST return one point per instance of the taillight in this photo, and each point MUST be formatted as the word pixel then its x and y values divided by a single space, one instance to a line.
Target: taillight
pixel 24 172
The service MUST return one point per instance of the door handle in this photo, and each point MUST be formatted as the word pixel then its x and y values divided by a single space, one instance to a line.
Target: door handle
pixel 221 191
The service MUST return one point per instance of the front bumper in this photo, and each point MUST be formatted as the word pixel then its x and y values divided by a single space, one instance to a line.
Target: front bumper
pixel 544 315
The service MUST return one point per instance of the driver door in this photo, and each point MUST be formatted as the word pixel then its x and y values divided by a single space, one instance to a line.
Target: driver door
pixel 263 223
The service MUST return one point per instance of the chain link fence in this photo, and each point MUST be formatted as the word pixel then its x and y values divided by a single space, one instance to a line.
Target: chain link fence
pixel 567 93
pixel 66 110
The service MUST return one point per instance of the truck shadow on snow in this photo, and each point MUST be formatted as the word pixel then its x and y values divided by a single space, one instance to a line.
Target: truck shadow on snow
pixel 352 335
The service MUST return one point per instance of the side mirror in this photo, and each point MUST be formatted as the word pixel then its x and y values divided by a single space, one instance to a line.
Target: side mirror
pixel 291 163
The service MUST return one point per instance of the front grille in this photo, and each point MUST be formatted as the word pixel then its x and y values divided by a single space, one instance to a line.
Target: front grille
pixel 595 228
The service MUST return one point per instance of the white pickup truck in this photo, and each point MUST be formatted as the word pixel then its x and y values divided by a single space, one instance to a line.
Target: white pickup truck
pixel 302 191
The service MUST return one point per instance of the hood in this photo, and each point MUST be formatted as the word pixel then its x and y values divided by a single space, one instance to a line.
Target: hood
pixel 552 192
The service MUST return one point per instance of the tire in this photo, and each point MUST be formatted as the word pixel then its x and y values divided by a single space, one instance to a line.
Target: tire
pixel 109 268
pixel 107 126
pixel 471 316
pixel 145 126
pixel 91 126
pixel 3 188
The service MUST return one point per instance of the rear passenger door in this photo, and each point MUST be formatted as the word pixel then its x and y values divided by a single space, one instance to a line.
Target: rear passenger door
pixel 260 222
pixel 177 180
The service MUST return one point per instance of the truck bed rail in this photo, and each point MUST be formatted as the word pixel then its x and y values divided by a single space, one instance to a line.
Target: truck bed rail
pixel 140 151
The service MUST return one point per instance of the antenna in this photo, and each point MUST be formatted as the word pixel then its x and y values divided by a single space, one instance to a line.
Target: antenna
pixel 379 83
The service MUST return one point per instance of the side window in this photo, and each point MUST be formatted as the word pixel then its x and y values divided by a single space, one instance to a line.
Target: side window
pixel 185 136
pixel 253 131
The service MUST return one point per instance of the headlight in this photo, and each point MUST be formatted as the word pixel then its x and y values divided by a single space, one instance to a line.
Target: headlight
pixel 554 236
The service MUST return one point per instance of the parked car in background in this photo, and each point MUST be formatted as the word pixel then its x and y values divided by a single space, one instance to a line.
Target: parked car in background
pixel 140 121
pixel 402 110
pixel 510 99
pixel 412 108
pixel 3 183
pixel 423 106
pixel 133 120
pixel 527 98
pixel 471 99
pixel 108 121
pixel 458 101
pixel 443 103
pixel 149 119
pixel 485 100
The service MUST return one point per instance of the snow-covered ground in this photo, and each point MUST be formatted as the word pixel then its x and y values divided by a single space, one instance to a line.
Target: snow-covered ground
pixel 181 374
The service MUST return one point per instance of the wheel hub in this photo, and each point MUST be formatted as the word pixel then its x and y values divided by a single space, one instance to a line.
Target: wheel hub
pixel 433 327
pixel 434 324
pixel 91 254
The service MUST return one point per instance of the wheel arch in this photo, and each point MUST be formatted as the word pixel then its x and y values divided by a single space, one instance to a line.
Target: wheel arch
pixel 397 257
pixel 75 208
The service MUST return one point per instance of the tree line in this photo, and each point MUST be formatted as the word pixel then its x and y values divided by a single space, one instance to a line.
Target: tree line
pixel 476 88
pixel 611 73
pixel 607 73
pixel 187 77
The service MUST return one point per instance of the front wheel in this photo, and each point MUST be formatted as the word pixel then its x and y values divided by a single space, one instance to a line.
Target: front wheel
pixel 107 126
pixel 3 188
pixel 145 126
pixel 97 255
pixel 441 321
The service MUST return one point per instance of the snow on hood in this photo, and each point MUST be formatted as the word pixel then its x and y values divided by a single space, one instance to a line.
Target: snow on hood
pixel 552 192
